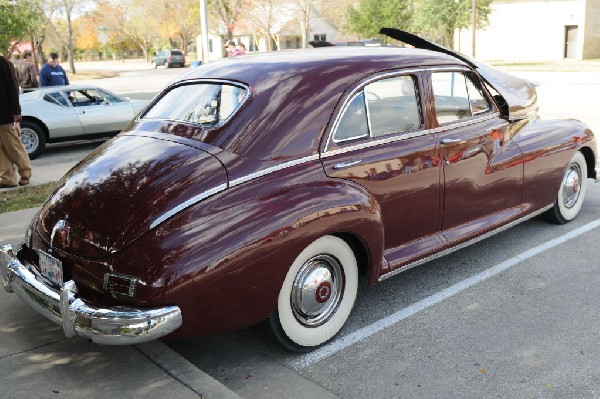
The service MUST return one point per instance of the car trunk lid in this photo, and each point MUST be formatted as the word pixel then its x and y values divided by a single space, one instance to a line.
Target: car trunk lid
pixel 126 187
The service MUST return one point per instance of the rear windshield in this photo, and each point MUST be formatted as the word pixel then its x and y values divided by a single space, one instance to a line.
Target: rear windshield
pixel 176 53
pixel 208 104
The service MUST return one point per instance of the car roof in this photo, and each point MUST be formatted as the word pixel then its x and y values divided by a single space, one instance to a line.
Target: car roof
pixel 355 61
pixel 294 93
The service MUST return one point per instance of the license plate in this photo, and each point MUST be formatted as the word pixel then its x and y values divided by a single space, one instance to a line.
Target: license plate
pixel 51 268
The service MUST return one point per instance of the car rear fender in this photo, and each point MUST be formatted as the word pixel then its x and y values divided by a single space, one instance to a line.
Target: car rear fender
pixel 223 261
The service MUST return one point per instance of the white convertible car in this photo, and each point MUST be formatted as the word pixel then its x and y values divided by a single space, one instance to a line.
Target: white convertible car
pixel 61 113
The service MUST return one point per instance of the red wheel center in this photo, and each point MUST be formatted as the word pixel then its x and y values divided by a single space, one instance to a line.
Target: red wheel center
pixel 323 292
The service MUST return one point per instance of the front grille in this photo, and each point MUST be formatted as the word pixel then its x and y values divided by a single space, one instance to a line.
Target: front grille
pixel 119 284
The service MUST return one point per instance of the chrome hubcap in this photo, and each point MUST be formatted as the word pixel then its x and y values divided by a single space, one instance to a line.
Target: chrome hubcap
pixel 317 290
pixel 571 185
pixel 30 140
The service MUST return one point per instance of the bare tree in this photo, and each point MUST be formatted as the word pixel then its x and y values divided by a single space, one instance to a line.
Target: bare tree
pixel 53 8
pixel 305 8
pixel 266 15
pixel 229 12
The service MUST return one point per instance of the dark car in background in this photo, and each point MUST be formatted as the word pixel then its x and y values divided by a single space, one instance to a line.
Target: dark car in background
pixel 168 58
pixel 264 187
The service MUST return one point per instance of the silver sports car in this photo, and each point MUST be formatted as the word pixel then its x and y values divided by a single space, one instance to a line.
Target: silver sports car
pixel 62 113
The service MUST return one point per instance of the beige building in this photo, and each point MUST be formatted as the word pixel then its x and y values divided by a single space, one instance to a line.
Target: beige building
pixel 285 33
pixel 530 30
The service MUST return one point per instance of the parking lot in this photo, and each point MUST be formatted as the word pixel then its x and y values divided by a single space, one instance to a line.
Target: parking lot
pixel 515 315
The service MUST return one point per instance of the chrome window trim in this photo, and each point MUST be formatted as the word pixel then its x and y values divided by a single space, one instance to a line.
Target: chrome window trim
pixel 354 92
pixel 459 68
pixel 358 93
pixel 192 82
pixel 374 143
pixel 469 121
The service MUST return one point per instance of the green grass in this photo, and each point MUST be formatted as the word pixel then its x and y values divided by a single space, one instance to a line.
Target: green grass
pixel 24 197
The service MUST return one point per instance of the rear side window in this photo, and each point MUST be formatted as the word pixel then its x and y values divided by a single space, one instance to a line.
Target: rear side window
pixel 384 107
pixel 56 98
pixel 456 97
pixel 204 103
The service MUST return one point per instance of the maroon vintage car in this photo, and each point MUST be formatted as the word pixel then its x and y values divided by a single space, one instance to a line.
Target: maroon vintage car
pixel 260 188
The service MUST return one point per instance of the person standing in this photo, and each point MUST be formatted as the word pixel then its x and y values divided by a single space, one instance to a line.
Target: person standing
pixel 26 72
pixel 12 151
pixel 230 48
pixel 52 74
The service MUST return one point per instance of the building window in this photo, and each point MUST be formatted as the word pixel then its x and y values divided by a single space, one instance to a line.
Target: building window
pixel 210 45
pixel 320 38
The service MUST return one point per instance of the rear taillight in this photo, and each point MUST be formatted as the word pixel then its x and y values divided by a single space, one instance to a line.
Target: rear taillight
pixel 169 58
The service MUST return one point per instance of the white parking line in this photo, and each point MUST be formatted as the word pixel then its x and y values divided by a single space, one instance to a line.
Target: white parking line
pixel 365 332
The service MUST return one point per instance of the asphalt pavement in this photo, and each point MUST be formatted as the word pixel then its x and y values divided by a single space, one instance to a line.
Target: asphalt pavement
pixel 36 360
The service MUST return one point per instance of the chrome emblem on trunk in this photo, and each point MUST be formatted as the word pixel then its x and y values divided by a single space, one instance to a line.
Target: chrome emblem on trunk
pixel 61 232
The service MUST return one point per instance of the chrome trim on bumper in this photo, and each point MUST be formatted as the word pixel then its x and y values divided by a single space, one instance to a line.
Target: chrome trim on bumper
pixel 118 325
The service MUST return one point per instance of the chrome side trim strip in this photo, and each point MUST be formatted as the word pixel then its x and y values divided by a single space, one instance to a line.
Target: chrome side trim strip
pixel 188 203
pixel 447 251
pixel 272 169
pixel 232 183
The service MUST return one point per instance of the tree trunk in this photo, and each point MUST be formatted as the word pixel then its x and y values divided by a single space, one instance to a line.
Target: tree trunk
pixel 70 45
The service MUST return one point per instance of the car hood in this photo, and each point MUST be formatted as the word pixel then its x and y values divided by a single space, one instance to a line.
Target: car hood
pixel 123 189
pixel 519 95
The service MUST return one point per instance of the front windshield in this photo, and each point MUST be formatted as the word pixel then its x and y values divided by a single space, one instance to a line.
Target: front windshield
pixel 202 103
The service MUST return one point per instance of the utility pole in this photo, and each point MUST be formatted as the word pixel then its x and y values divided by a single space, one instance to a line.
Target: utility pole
pixel 203 56
pixel 473 25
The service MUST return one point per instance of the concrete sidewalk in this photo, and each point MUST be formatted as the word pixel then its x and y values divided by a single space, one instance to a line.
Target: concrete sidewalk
pixel 37 361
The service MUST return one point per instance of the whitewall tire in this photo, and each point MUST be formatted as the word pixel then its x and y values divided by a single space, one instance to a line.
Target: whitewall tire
pixel 317 295
pixel 571 191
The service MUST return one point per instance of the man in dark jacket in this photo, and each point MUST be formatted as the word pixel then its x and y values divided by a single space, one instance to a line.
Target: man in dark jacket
pixel 53 74
pixel 12 151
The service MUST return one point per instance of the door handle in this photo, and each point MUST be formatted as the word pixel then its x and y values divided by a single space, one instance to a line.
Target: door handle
pixel 343 165
pixel 80 112
pixel 452 141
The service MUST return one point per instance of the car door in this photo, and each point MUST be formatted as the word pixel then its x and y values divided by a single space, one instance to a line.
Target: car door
pixel 482 168
pixel 99 112
pixel 57 114
pixel 379 141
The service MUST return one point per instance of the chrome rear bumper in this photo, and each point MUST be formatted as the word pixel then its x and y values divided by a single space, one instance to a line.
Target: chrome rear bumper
pixel 107 326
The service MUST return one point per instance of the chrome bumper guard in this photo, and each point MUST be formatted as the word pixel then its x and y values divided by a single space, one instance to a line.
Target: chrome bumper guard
pixel 107 326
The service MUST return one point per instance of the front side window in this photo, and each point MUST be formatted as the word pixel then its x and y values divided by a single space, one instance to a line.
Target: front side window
pixel 383 107
pixel 204 103
pixel 85 97
pixel 456 97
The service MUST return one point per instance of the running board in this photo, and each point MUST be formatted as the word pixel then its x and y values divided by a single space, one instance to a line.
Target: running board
pixel 462 245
